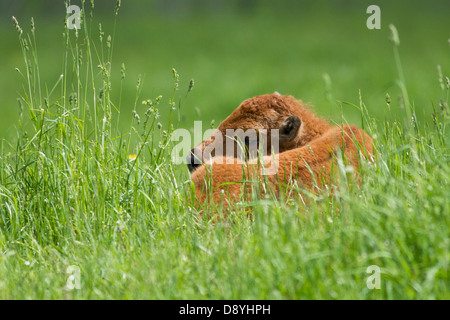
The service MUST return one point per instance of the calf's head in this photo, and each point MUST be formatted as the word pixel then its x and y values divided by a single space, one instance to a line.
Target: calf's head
pixel 269 123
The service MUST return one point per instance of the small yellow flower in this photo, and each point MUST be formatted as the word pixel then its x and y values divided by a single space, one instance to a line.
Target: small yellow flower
pixel 132 157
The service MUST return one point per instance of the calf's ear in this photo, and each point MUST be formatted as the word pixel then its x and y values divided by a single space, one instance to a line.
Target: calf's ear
pixel 289 128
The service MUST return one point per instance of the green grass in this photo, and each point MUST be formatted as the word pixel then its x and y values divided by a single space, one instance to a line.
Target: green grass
pixel 71 196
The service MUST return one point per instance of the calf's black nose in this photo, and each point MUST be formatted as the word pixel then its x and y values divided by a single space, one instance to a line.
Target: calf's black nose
pixel 193 160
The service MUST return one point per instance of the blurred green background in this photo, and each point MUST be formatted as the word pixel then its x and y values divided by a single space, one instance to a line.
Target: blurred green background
pixel 318 51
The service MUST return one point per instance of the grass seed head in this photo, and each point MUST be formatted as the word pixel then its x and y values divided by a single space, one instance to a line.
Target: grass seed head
pixel 388 99
pixel 17 26
pixel 440 77
pixel 116 10
pixel 32 25
pixel 136 116
pixel 394 35
pixel 122 71
pixel 191 85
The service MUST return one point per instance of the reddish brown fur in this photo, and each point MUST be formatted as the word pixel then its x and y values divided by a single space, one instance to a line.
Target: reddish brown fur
pixel 314 148
pixel 268 112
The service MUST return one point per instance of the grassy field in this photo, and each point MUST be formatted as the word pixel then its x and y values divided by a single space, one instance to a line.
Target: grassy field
pixel 77 207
